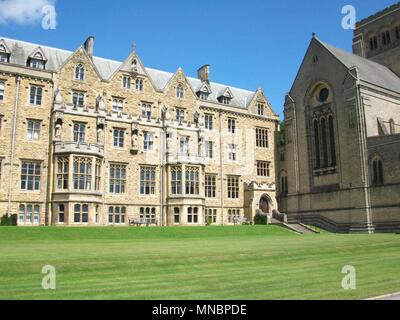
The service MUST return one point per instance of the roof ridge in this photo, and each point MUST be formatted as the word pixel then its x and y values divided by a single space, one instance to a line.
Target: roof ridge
pixel 327 45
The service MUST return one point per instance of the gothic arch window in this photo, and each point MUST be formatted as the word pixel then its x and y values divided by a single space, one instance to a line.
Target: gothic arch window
pixel 180 93
pixel 324 141
pixel 397 32
pixel 373 43
pixel 79 72
pixel 377 171
pixel 391 126
pixel 386 39
pixel 332 140
pixel 316 145
pixel 322 128
pixel 284 184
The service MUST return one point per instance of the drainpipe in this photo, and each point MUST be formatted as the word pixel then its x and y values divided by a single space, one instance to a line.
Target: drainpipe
pixel 12 151
pixel 221 165
pixel 162 168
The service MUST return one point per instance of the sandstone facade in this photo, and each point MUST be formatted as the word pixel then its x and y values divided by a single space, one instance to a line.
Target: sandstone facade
pixel 89 141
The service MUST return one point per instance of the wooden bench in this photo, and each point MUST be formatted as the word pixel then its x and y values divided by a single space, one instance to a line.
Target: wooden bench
pixel 142 222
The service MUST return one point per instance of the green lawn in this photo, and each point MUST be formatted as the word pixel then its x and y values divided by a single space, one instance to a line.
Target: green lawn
pixel 194 263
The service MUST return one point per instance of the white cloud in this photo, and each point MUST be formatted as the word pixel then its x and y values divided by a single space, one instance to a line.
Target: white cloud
pixel 22 11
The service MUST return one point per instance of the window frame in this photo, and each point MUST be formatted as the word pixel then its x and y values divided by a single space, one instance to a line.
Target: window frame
pixel 119 138
pixel 263 168
pixel 232 125
pixel 117 104
pixel 36 95
pixel 209 121
pixel 79 134
pixel 117 182
pixel 262 138
pixel 210 186
pixel 233 184
pixel 33 131
pixel 79 72
pixel 148 141
pixel 34 177
pixel 82 173
pixel 62 176
pixel 147 184
pixel 2 90
pixel 78 99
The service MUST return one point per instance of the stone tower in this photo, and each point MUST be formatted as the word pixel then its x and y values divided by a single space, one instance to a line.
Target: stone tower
pixel 378 38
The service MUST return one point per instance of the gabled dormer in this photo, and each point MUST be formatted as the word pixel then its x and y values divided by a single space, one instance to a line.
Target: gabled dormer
pixel 204 91
pixel 133 65
pixel 225 96
pixel 37 60
pixel 4 52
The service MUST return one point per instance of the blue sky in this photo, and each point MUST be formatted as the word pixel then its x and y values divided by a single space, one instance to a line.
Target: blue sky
pixel 249 44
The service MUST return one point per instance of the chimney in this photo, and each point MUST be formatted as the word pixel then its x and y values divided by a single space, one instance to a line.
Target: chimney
pixel 204 73
pixel 89 46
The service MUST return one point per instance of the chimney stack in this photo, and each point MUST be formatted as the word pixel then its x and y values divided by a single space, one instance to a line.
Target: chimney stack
pixel 204 73
pixel 89 46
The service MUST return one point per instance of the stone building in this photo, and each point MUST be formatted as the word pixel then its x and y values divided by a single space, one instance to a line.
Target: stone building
pixel 90 141
pixel 339 167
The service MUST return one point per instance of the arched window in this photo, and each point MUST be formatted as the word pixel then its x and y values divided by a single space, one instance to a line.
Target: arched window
pixel 177 214
pixel 180 93
pixel 332 141
pixel 373 43
pixel 316 145
pixel 284 184
pixel 61 213
pixel 324 143
pixel 79 72
pixel 391 126
pixel 386 40
pixel 377 171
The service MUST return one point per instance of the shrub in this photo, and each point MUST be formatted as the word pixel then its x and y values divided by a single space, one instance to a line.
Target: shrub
pixel 260 219
pixel 209 221
pixel 9 221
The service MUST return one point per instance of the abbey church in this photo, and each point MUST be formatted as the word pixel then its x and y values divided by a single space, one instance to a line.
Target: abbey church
pixel 339 167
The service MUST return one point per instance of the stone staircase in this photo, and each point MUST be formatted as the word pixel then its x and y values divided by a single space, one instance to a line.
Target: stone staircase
pixel 297 227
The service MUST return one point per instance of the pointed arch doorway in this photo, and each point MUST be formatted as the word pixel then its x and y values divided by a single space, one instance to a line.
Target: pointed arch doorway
pixel 265 204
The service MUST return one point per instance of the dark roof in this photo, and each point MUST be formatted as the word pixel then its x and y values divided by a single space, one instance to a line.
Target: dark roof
pixel 369 71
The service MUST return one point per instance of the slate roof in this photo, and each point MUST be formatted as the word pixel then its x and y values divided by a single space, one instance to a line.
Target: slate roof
pixel 20 51
pixel 369 71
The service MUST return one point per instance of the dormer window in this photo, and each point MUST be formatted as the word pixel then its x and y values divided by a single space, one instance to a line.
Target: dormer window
pixel 226 97
pixel 204 92
pixel 37 61
pixel 203 95
pixel 180 92
pixel 225 100
pixel 4 55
